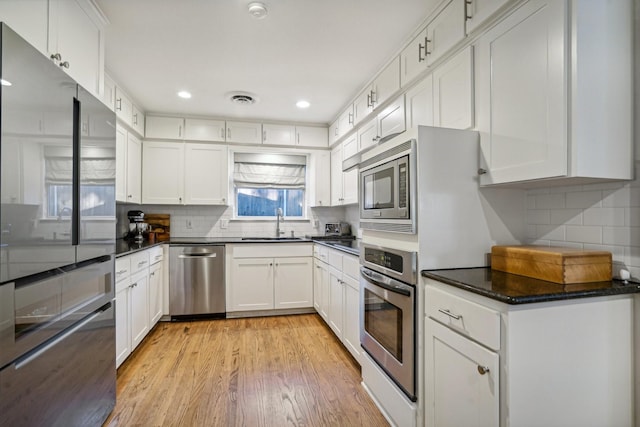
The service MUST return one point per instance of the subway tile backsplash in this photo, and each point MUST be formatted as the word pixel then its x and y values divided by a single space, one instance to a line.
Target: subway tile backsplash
pixel 604 216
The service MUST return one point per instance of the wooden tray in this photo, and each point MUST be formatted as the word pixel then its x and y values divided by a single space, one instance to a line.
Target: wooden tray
pixel 159 224
pixel 553 264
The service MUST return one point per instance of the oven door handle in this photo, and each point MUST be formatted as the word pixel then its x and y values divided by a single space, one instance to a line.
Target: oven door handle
pixel 387 283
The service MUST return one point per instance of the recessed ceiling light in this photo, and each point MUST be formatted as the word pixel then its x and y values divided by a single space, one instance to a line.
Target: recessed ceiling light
pixel 257 10
pixel 4 82
pixel 303 104
pixel 184 94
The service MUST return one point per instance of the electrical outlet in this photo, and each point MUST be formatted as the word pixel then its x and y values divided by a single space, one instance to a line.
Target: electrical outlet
pixel 224 223
pixel 189 225
pixel 316 223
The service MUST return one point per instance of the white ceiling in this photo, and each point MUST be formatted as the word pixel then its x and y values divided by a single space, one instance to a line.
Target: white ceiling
pixel 323 51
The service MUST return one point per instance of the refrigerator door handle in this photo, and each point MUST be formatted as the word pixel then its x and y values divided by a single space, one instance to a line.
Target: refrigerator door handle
pixel 75 214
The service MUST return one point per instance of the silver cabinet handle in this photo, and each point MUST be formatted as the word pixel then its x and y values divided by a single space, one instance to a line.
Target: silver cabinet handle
pixel 374 98
pixel 141 263
pixel 483 369
pixel 121 272
pixel 56 57
pixel 180 131
pixel 264 136
pixel 369 104
pixel 450 314
pixel 426 46
pixel 229 133
pixel 467 7
pixel 221 133
pixel 420 48
pixel 481 171
pixel 119 104
pixel 135 119
pixel 298 139
pixel 351 118
pixel 64 64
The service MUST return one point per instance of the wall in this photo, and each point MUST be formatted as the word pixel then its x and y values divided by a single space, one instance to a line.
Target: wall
pixel 206 220
pixel 595 216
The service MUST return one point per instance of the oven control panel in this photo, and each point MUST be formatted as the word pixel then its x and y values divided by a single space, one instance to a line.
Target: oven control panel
pixel 384 259
pixel 396 263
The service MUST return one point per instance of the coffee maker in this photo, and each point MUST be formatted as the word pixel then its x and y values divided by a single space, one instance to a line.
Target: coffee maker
pixel 137 226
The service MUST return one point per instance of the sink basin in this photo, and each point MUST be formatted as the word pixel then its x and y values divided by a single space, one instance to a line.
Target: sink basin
pixel 272 238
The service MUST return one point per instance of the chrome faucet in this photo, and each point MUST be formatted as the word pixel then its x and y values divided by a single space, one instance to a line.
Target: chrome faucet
pixel 279 218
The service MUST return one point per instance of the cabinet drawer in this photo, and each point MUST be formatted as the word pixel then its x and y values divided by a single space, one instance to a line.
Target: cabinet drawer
pixel 468 318
pixel 139 261
pixel 123 268
pixel 321 252
pixel 275 250
pixel 351 267
pixel 335 259
pixel 155 254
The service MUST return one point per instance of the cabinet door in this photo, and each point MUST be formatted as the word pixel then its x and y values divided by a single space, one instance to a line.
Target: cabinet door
pixel 293 282
pixel 121 164
pixel 333 132
pixel 521 95
pixel 479 11
pixel 123 322
pixel 453 92
pixel 75 32
pixel 30 19
pixel 368 134
pixel 324 292
pixel 419 103
pixel 387 83
pixel 206 181
pixel 413 59
pixel 462 383
pixel 134 172
pixel 336 301
pixel 336 176
pixel 137 120
pixel 310 136
pixel 351 316
pixel 162 172
pixel 124 106
pixel 155 294
pixel 362 106
pixel 278 134
pixel 345 121
pixel 251 286
pixel 322 164
pixel 317 284
pixel 109 93
pixel 350 147
pixel 164 127
pixel 445 31
pixel 139 307
pixel 244 133
pixel 391 119
pixel 350 187
pixel 204 130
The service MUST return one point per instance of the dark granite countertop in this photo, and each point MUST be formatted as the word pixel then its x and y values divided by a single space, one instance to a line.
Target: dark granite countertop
pixel 127 247
pixel 351 246
pixel 515 289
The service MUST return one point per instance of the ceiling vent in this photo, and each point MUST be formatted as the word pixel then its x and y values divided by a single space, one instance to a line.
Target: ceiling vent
pixel 242 98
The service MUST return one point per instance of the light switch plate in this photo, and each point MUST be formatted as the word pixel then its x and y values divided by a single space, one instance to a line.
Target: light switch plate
pixel 224 223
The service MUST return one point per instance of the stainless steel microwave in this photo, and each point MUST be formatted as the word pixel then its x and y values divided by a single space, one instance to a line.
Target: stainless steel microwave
pixel 387 183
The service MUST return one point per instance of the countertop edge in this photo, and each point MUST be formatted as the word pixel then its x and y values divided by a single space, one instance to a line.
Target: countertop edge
pixel 528 299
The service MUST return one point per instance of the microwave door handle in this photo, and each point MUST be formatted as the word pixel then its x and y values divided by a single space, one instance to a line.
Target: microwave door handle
pixel 388 284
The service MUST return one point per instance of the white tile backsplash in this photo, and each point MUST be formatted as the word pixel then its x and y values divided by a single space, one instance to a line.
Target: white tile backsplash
pixel 601 216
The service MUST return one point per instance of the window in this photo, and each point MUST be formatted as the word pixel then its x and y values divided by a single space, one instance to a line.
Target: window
pixel 97 176
pixel 264 182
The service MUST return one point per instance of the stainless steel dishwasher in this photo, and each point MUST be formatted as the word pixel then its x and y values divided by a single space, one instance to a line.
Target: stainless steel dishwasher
pixel 196 281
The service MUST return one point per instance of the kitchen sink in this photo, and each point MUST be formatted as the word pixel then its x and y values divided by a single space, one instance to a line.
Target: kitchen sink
pixel 272 238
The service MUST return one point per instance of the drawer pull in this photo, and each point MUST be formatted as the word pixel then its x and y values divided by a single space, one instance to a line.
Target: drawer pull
pixel 121 272
pixel 483 369
pixel 450 314
pixel 141 263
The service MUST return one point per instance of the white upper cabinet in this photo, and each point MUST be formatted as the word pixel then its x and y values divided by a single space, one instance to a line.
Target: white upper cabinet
pixel 478 11
pixel 109 93
pixel 76 41
pixel 383 87
pixel 278 134
pixel 165 127
pixel 322 185
pixel 333 132
pixel 419 103
pixel 554 93
pixel 137 120
pixel 445 31
pixel 244 132
pixel 453 92
pixel 206 181
pixel 311 136
pixel 391 119
pixel 368 134
pixel 413 59
pixel 204 130
pixel 345 122
pixel 123 106
pixel 30 19
pixel 163 173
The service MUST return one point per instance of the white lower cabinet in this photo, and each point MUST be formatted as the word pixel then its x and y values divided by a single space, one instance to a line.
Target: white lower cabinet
pixel 139 298
pixel 257 283
pixel 550 364
pixel 337 295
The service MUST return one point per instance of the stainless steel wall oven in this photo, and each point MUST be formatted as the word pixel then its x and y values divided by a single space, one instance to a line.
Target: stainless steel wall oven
pixel 388 313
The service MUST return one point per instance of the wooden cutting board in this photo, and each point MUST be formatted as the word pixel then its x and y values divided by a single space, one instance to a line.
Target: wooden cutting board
pixel 159 224
pixel 553 264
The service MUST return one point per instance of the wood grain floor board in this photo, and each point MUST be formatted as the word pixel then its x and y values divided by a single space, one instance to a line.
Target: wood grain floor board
pixel 269 371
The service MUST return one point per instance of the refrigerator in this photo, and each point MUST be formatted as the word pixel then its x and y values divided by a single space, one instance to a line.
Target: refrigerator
pixel 57 244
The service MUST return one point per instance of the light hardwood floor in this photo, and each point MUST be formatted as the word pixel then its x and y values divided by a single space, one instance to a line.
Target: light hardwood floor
pixel 267 371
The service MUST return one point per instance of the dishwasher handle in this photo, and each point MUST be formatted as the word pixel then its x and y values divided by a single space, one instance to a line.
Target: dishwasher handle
pixel 199 255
